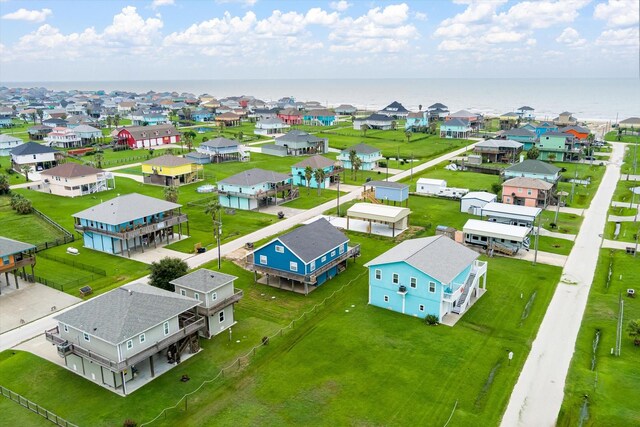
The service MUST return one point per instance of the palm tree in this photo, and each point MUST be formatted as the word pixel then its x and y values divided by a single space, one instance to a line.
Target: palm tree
pixel 4 185
pixel 40 114
pixel 364 128
pixel 357 164
pixel 352 159
pixel 33 117
pixel 408 134
pixel 116 120
pixel 308 174
pixel 25 169
pixel 186 112
pixel 189 137
pixel 99 158
pixel 214 208
pixel 171 194
pixel 240 136
pixel 319 175
pixel 221 127
pixel 109 121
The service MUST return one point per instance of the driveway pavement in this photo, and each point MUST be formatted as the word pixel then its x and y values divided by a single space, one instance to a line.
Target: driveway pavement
pixel 538 394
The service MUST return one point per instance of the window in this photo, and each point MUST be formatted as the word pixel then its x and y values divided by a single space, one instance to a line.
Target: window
pixel 421 307
pixel 312 266
pixel 221 316
pixel 333 253
pixel 86 337
pixel 529 192
pixel 196 296
pixel 165 327
pixel 280 249
pixel 183 292
pixel 378 274
pixel 432 287
pixel 142 338
pixel 323 259
pixel 263 259
pixel 293 266
pixel 413 282
pixel 214 296
pixel 66 328
pixel 129 344
pixel 341 249
pixel 386 298
pixel 519 190
pixel 395 278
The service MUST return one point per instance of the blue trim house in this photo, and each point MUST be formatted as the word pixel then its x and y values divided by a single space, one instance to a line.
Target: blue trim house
pixel 431 275
pixel 455 128
pixel 202 116
pixel 417 121
pixel 223 150
pixel 320 118
pixel 541 128
pixel 315 162
pixel 307 256
pixel 255 188
pixel 369 156
pixel 129 222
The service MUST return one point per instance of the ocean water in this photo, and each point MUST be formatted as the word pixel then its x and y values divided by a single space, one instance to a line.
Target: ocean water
pixel 602 99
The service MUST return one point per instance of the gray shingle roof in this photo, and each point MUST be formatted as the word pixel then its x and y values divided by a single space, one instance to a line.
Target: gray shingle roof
pixel 437 105
pixel 270 121
pixel 203 280
pixel 528 183
pixel 438 256
pixel 362 149
pixel 298 136
pixel 32 148
pixel 456 122
pixel 10 246
pixel 168 160
pixel 315 162
pixel 125 312
pixel 386 184
pixel 126 208
pixel 144 132
pixel 518 132
pixel 71 170
pixel 534 166
pixel 379 118
pixel 220 142
pixel 395 107
pixel 253 177
pixel 10 138
pixel 313 240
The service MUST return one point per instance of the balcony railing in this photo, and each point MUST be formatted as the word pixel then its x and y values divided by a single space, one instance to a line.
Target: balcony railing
pixel 222 303
pixel 24 262
pixel 189 327
pixel 262 193
pixel 128 233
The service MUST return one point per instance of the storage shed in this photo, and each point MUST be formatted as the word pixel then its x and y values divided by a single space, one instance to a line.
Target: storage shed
pixel 473 202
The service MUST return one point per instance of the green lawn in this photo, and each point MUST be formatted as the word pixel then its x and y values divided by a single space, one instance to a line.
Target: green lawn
pixel 5 169
pixel 19 130
pixel 613 386
pixel 355 367
pixel 627 166
pixel 613 136
pixel 567 223
pixel 25 228
pixel 628 231
pixel 583 194
pixel 553 245
pixel 472 180
pixel 113 158
pixel 623 192
pixel 309 198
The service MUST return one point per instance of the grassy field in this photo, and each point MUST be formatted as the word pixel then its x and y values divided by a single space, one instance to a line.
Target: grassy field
pixel 333 355
pixel 627 166
pixel 26 228
pixel 19 130
pixel 472 180
pixel 628 231
pixel 613 136
pixel 5 169
pixel 612 386
pixel 583 194
pixel 623 192
pixel 310 198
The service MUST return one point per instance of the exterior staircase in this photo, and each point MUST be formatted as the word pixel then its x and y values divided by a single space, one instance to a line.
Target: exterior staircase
pixel 370 196
pixel 463 302
pixel 503 249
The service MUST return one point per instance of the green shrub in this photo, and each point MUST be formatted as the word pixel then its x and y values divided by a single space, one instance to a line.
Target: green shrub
pixel 431 319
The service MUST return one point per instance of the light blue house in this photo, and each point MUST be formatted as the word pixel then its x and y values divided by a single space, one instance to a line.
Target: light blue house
pixel 321 117
pixel 417 121
pixel 328 166
pixel 255 188
pixel 202 115
pixel 523 135
pixel 387 192
pixel 541 128
pixel 305 257
pixel 369 156
pixel 129 223
pixel 533 169
pixel 223 150
pixel 455 128
pixel 430 275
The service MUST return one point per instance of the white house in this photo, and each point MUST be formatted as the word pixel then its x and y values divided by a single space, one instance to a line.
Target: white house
pixel 496 237
pixel 63 138
pixel 270 126
pixel 37 156
pixel 73 179
pixel 474 201
pixel 8 143
pixel 430 186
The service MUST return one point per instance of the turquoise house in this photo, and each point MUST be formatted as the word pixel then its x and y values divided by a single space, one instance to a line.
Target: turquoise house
pixel 431 275
pixel 553 146
pixel 306 257
pixel 328 166
pixel 523 135
pixel 255 188
pixel 202 116
pixel 369 156
pixel 320 118
pixel 129 223
pixel 417 121
pixel 541 128
pixel 455 128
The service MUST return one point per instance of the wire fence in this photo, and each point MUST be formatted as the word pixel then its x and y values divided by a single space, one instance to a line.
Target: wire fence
pixel 245 359
pixel 75 264
pixel 35 408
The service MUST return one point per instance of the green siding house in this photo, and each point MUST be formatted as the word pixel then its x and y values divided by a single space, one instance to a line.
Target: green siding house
pixel 552 146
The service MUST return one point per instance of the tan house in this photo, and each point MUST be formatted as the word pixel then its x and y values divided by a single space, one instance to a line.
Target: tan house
pixel 72 180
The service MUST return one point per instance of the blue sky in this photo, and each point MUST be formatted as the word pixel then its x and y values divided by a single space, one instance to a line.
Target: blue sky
pixel 225 39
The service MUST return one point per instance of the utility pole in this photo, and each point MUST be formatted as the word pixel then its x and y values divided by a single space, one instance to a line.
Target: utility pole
pixel 559 194
pixel 218 225
pixel 411 166
pixel 535 254
pixel 338 199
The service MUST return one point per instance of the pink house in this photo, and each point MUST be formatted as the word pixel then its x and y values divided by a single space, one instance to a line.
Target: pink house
pixel 290 116
pixel 526 192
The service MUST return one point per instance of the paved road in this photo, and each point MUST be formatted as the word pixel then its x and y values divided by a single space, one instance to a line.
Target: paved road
pixel 538 394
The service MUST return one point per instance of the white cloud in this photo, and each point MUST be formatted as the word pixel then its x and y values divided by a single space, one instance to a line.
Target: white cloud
pixel 130 28
pixel 618 13
pixel 420 16
pixel 340 6
pixel 622 37
pixel 531 42
pixel 244 3
pixel 571 38
pixel 542 14
pixel 158 3
pixel 23 14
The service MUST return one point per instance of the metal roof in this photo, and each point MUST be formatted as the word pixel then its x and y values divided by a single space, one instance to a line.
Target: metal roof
pixel 203 280
pixel 298 136
pixel 480 195
pixel 362 149
pixel 534 166
pixel 505 208
pixel 378 212
pixel 437 256
pixel 168 160
pixel 499 143
pixel 386 184
pixel 220 142
pixel 126 208
pixel 496 230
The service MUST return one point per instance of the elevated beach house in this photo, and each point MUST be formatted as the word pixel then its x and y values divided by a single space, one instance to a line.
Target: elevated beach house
pixel 426 276
pixel 329 167
pixel 306 257
pixel 417 122
pixel 554 146
pixel 14 256
pixel 223 150
pixel 526 113
pixel 74 179
pixel 297 143
pixel 374 121
pixel 345 109
pixel 169 170
pixel 147 136
pixel 8 143
pixel 270 126
pixel 38 132
pixel 395 110
pixel 255 188
pixel 455 128
pixel 532 192
pixel 63 138
pixel 291 116
pixel 388 192
pixel 498 150
pixel 37 156
pixel 321 117
pixel 217 297
pixel 87 133
pixel 565 119
pixel 369 156
pixel 126 337
pixel 531 168
pixel 129 223
pixel 524 136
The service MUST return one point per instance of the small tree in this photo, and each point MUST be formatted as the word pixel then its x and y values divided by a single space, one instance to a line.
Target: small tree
pixel 394 125
pixel 116 120
pixel 408 135
pixel 240 136
pixel 319 175
pixel 634 331
pixel 308 174
pixel 357 164
pixel 352 159
pixel 25 169
pixel 171 194
pixel 166 270
pixel 5 187
pixel 552 157
pixel 189 137
pixel 40 114
pixel 98 158
pixel 364 129
pixel 24 206
pixel 496 187
pixel 533 153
